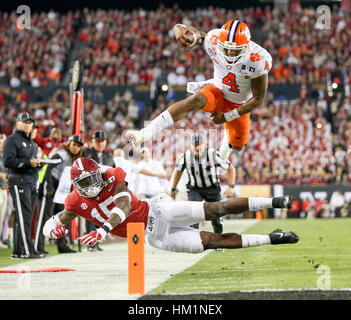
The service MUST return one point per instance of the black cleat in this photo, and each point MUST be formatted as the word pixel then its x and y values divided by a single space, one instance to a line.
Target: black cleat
pixel 65 249
pixel 217 225
pixel 284 202
pixel 279 237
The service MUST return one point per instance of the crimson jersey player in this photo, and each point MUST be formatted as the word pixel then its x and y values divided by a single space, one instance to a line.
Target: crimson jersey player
pixel 98 208
pixel 104 199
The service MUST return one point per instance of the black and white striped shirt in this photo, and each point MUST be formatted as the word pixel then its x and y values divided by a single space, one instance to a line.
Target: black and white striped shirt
pixel 203 172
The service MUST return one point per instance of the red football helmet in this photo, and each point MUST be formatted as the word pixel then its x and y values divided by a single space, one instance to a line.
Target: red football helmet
pixel 233 37
pixel 87 177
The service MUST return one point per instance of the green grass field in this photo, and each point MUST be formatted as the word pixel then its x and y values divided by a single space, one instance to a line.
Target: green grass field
pixel 322 254
pixel 5 256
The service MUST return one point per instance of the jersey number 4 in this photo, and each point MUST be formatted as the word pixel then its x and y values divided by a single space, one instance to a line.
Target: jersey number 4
pixel 229 80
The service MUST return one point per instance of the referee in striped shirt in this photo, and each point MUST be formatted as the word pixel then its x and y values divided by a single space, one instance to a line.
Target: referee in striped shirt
pixel 203 166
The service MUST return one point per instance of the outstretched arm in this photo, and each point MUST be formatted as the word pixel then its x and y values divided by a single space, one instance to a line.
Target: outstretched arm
pixel 54 227
pixel 153 174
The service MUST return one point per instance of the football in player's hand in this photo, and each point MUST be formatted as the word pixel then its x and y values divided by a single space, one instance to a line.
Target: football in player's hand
pixel 186 36
pixel 189 36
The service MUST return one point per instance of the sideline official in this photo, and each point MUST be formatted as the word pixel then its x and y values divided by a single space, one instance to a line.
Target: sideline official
pixel 203 166
pixel 20 160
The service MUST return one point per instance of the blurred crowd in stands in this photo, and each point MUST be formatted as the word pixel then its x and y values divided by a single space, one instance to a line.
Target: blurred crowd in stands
pixel 292 142
pixel 300 141
pixel 131 47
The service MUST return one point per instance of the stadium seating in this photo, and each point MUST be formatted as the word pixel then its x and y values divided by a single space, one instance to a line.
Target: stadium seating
pixel 291 142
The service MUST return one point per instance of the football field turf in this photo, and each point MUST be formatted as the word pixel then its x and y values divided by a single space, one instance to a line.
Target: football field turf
pixel 320 260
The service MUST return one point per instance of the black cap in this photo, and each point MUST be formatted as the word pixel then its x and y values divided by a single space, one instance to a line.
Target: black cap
pixel 75 138
pixel 197 138
pixel 24 116
pixel 100 135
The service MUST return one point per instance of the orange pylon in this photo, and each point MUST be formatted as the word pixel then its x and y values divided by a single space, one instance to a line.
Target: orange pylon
pixel 136 270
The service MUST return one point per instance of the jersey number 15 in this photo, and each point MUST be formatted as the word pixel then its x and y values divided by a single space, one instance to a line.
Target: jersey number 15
pixel 103 206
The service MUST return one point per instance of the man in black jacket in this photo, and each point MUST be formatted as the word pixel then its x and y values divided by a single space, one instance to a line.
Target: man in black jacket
pixel 98 150
pixel 98 153
pixel 20 160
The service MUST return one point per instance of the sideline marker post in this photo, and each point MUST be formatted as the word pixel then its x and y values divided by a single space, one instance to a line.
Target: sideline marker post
pixel 77 119
pixel 136 270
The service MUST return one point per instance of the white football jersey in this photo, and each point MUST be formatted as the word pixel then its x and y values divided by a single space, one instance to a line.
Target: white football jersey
pixel 235 80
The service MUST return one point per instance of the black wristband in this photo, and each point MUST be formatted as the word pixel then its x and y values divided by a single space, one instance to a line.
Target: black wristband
pixel 106 228
pixel 173 189
pixel 231 186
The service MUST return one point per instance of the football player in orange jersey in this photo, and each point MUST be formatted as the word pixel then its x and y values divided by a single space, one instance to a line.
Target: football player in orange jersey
pixel 238 87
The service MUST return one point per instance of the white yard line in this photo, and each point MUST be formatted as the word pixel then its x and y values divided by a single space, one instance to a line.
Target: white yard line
pixel 98 275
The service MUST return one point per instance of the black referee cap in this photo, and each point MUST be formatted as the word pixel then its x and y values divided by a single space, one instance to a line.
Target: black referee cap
pixel 100 135
pixel 24 116
pixel 197 138
pixel 76 138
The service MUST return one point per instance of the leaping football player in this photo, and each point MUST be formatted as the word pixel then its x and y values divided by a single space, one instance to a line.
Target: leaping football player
pixel 239 85
pixel 104 199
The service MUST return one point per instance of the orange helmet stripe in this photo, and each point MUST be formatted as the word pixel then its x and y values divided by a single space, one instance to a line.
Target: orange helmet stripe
pixel 227 25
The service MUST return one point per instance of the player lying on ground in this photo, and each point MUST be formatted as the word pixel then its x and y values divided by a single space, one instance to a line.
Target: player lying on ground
pixel 104 199
pixel 238 87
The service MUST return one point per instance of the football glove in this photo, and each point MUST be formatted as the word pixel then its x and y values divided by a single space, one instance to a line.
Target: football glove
pixel 93 237
pixel 59 232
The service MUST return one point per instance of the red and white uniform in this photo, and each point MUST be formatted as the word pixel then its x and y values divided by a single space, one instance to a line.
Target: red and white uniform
pixel 98 209
pixel 166 222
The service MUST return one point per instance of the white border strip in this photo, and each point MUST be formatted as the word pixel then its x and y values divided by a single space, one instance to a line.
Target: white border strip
pixel 20 216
